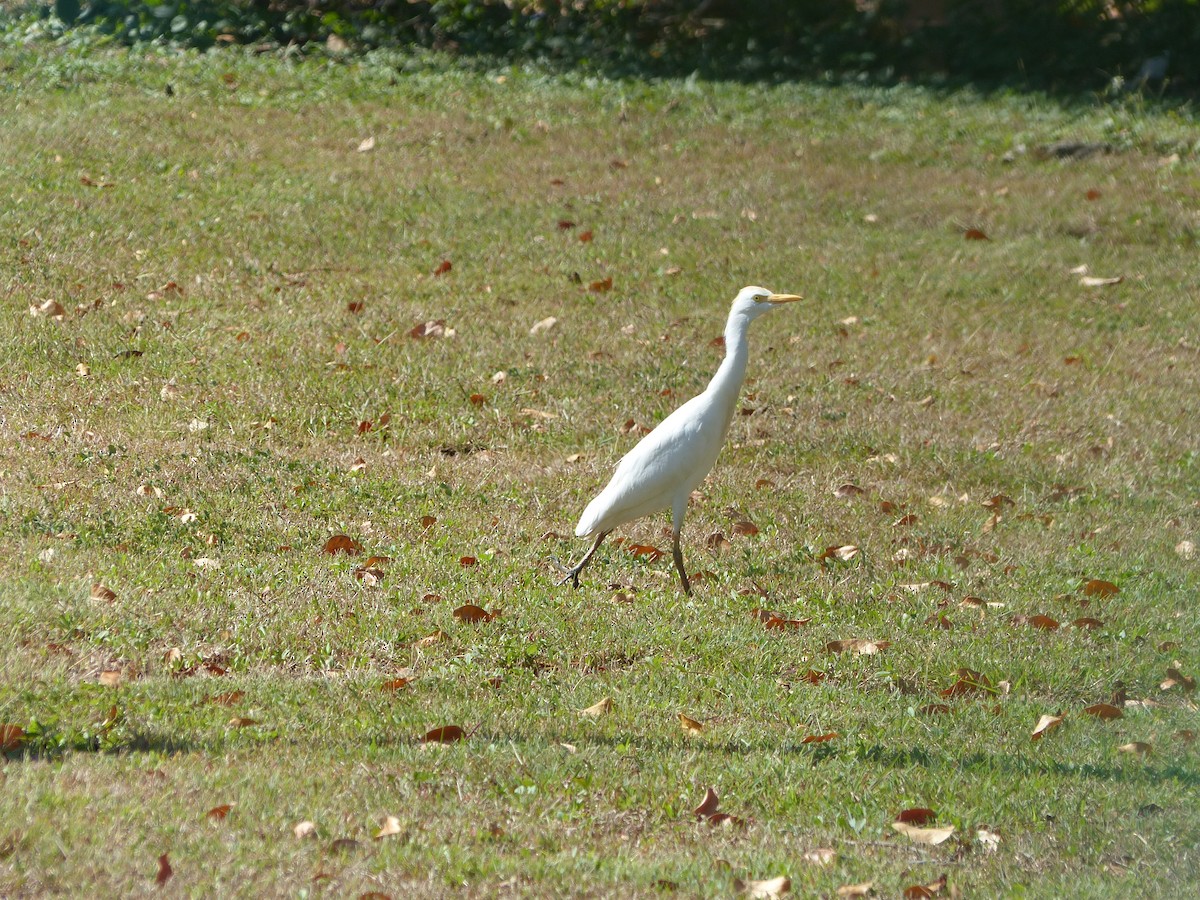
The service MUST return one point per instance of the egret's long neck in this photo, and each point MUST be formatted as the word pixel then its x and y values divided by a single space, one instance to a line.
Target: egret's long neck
pixel 727 382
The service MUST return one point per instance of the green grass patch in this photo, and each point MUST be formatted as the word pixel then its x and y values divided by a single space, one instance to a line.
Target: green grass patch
pixel 239 262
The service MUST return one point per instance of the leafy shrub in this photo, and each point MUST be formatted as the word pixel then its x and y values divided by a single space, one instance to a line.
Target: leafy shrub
pixel 1068 42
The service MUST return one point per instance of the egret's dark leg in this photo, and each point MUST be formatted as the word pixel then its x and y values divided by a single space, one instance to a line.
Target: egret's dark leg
pixel 677 553
pixel 572 574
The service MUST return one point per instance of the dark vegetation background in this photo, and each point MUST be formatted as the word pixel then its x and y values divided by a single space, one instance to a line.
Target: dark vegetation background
pixel 1070 45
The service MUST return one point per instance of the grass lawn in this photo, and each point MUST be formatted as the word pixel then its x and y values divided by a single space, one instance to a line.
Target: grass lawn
pixel 212 269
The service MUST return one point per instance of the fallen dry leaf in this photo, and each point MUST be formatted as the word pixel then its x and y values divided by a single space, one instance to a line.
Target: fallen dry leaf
pixel 850 891
pixel 218 813
pixel 918 815
pixel 601 286
pixel 446 734
pixel 470 613
pixel 771 887
pixel 975 234
pixel 599 708
pixel 1046 724
pixel 242 722
pixel 843 553
pixel 861 646
pixel 391 826
pixel 304 829
pixel 988 839
pixel 708 806
pixel 164 871
pixel 367 144
pixel 1139 748
pixel 1186 549
pixel 1175 678
pixel 1043 622
pixel 745 528
pixel 690 725
pixel 340 543
pixel 821 856
pixel 924 835
pixel 103 594
pixel 848 490
pixel 11 737
pixel 919 891
pixel 395 684
pixel 543 325
pixel 1104 711
pixel 819 738
pixel 1093 281
pixel 110 677
pixel 1097 588
pixel 436 638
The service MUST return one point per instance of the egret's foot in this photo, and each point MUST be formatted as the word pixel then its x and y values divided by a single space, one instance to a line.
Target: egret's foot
pixel 570 574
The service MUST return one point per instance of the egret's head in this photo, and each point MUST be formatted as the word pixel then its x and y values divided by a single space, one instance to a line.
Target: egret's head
pixel 753 301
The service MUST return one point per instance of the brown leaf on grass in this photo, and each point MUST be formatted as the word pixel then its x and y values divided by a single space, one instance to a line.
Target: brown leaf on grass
pixel 1045 725
pixel 1088 623
pixel 934 709
pixel 1043 622
pixel 434 328
pixel 1138 748
pixel 848 490
pixel 820 738
pixel 820 856
pixel 11 737
pixel 975 234
pixel 392 685
pixel 708 806
pixel 428 521
pixel 745 528
pixel 436 638
pixel 1104 711
pixel 164 871
pixel 470 613
pixel 1176 678
pixel 690 725
pixel 443 267
pixel 763 890
pixel 354 306
pixel 242 722
pixel 814 677
pixel 652 553
pixel 218 813
pixel 1092 194
pixel 565 224
pixel 842 553
pixel 1186 735
pixel 854 891
pixel 341 543
pixel 51 309
pixel 103 594
pixel 601 286
pixel 227 699
pixel 111 677
pixel 391 826
pixel 368 575
pixel 919 891
pixel 632 427
pixel 305 829
pixel 920 835
pixel 599 708
pixel 717 542
pixel 446 734
pixel 778 623
pixel 918 815
pixel 585 237
pixel 467 561
pixel 861 646
pixel 1096 588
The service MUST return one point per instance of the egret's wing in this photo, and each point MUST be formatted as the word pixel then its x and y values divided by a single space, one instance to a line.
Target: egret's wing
pixel 670 461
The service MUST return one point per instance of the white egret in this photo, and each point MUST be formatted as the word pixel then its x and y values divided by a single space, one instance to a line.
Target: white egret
pixel 663 469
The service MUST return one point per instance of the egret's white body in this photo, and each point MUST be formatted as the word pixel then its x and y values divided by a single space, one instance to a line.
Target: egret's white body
pixel 663 469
